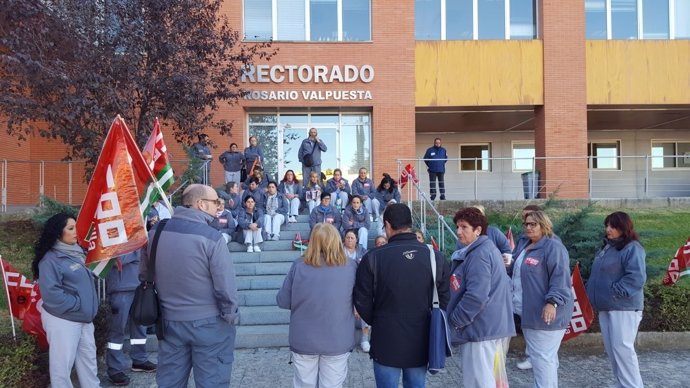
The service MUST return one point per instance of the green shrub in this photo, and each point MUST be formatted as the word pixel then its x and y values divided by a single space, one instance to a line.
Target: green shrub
pixel 22 364
pixel 666 308
pixel 50 208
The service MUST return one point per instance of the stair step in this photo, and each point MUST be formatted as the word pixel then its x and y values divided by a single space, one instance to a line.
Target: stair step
pixel 263 282
pixel 280 245
pixel 244 269
pixel 263 315
pixel 257 297
pixel 262 336
pixel 264 257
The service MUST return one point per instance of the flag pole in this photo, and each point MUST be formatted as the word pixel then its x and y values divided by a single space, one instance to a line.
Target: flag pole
pixel 9 301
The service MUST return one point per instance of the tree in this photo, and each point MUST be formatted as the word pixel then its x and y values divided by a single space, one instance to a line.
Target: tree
pixel 69 67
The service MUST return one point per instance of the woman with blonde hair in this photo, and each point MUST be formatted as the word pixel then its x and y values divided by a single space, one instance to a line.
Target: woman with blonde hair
pixel 318 293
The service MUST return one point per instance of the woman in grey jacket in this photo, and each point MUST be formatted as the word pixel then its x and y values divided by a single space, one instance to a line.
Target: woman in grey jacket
pixel 615 289
pixel 542 295
pixel 70 302
pixel 480 311
pixel 318 293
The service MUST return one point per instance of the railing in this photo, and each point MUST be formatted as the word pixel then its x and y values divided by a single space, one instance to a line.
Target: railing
pixel 636 177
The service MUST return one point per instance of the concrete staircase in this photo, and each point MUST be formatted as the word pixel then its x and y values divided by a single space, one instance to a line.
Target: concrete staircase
pixel 259 277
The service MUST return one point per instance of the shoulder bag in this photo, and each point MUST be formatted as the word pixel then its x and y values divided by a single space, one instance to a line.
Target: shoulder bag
pixel 146 310
pixel 439 335
pixel 308 159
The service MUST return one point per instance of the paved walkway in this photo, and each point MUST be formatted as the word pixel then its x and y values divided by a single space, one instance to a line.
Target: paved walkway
pixel 268 368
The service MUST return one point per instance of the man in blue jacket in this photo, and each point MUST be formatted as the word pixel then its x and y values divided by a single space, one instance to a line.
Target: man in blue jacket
pixel 435 159
pixel 309 155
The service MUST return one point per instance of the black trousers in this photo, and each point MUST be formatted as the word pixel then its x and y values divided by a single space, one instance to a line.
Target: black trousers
pixel 433 177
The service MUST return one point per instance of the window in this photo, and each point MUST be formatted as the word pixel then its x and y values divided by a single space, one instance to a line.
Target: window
pixel 655 24
pixel 605 155
pixel 307 20
pixel 670 154
pixel 475 157
pixel 475 19
pixel 595 15
pixel 523 156
pixel 637 19
pixel 624 19
pixel 427 19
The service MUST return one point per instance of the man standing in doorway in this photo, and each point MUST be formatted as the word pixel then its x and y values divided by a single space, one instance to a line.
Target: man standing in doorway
pixel 203 154
pixel 435 159
pixel 197 290
pixel 393 293
pixel 310 155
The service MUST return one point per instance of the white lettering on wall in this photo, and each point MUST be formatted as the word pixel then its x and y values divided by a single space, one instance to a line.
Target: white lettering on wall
pixel 310 95
pixel 308 74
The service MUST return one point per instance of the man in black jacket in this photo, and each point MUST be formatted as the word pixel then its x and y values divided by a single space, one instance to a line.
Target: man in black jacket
pixel 393 293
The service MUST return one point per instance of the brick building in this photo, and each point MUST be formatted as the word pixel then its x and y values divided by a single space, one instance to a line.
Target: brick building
pixel 598 91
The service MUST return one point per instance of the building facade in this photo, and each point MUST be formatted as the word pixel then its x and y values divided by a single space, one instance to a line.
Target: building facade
pixel 593 95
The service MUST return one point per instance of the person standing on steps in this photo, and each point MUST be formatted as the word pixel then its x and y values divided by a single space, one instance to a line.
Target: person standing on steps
pixel 435 159
pixel 309 154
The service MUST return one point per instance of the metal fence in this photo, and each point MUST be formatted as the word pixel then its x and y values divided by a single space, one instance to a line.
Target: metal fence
pixel 633 177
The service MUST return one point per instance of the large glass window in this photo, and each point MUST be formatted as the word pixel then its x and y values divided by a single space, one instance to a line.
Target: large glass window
pixel 682 19
pixel 522 17
pixel 311 20
pixel 475 19
pixel 356 21
pixel 595 14
pixel 669 154
pixel 655 23
pixel 427 19
pixel 459 20
pixel 605 155
pixel 347 136
pixel 624 19
pixel 324 20
pixel 491 19
pixel 523 156
pixel 258 22
pixel 475 157
pixel 291 21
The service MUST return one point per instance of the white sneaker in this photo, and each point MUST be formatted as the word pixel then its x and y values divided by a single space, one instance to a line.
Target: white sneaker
pixel 524 365
pixel 366 346
pixel 256 248
pixel 276 237
pixel 250 248
pixel 292 219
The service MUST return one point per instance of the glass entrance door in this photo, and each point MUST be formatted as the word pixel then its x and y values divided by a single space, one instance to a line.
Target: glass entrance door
pixel 347 137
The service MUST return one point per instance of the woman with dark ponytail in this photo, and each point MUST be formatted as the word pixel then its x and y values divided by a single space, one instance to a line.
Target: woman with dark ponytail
pixel 69 302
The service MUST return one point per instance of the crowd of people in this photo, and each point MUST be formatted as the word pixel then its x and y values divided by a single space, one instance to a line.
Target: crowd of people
pixel 488 291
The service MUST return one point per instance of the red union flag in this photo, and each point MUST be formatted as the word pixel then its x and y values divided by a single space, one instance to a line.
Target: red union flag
pixel 680 265
pixel 156 155
pixel 24 298
pixel 406 174
pixel 511 240
pixel 122 188
pixel 583 315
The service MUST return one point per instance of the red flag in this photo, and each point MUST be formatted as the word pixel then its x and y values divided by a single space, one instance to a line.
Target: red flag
pixel 156 155
pixel 122 188
pixel 680 265
pixel 406 174
pixel 583 315
pixel 433 243
pixel 511 240
pixel 24 298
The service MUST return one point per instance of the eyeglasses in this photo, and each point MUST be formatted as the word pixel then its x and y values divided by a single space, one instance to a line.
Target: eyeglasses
pixel 529 224
pixel 216 201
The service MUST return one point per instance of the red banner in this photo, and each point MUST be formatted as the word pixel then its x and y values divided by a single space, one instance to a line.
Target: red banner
pixel 680 265
pixel 122 188
pixel 511 240
pixel 156 155
pixel 583 315
pixel 24 299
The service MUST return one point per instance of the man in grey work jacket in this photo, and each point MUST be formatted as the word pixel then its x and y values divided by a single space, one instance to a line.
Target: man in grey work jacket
pixel 312 146
pixel 196 285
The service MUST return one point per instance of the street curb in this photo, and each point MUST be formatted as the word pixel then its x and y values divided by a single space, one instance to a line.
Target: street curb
pixel 645 341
